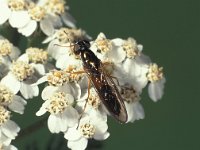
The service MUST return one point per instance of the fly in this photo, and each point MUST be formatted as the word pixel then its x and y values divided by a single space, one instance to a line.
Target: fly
pixel 103 84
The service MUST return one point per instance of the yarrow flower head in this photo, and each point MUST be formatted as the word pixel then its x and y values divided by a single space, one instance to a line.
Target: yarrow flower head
pixel 8 128
pixel 157 80
pixel 21 78
pixel 62 114
pixel 15 12
pixel 25 15
pixel 10 100
pixel 88 128
pixel 8 53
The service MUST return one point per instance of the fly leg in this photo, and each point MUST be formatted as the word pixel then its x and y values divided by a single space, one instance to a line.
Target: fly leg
pixel 84 108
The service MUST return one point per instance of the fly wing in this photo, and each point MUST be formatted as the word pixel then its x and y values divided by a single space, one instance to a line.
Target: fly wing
pixel 109 95
pixel 122 116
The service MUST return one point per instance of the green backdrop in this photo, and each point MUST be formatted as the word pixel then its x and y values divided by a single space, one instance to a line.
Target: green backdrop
pixel 169 31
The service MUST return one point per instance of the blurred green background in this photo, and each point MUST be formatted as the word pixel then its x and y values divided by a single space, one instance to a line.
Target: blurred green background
pixel 169 31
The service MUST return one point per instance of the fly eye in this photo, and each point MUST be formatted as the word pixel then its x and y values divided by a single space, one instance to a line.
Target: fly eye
pixel 87 43
pixel 76 49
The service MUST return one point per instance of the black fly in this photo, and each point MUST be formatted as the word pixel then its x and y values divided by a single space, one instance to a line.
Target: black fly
pixel 104 85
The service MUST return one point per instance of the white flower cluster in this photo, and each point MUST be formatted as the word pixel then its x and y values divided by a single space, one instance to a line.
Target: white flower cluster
pixel 75 107
pixel 26 15
pixel 9 100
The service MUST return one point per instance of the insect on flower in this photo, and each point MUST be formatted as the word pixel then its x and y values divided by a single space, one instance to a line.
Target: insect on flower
pixel 103 83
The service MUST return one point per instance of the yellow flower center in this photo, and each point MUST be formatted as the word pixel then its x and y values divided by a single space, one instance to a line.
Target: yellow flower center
pixel 87 130
pixel 16 5
pixel 130 47
pixel 104 45
pixel 37 55
pixel 55 6
pixel 129 94
pixel 93 99
pixel 21 70
pixel 57 77
pixel 155 73
pixel 4 115
pixel 5 47
pixel 58 103
pixel 75 73
pixel 6 96
pixel 36 13
pixel 65 35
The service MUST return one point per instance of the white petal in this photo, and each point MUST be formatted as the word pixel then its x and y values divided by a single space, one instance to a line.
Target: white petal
pixel 56 51
pixel 17 104
pixel 46 26
pixel 11 82
pixel 10 147
pixel 75 90
pixel 28 29
pixel 39 68
pixel 64 61
pixel 117 54
pixel 4 139
pixel 72 134
pixel 48 39
pixel 55 20
pixel 24 58
pixel 48 91
pixel 71 116
pixel 135 111
pixel 5 13
pixel 80 144
pixel 55 124
pixel 100 124
pixel 143 59
pixel 29 91
pixel 10 129
pixel 19 19
pixel 156 90
pixel 41 80
pixel 52 124
pixel 15 53
pixel 101 136
pixel 139 111
pixel 66 89
pixel 43 109
pixel 117 41
pixel 68 20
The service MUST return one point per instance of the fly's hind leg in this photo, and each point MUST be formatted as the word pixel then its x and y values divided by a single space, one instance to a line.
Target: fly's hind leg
pixel 85 105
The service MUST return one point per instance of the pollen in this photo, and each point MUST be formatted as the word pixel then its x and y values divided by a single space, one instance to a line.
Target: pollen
pixel 93 99
pixel 6 96
pixel 58 103
pixel 21 70
pixel 129 94
pixel 57 77
pixel 108 66
pixel 155 73
pixel 36 13
pixel 5 47
pixel 104 45
pixel 4 115
pixel 55 6
pixel 130 47
pixel 16 5
pixel 37 55
pixel 76 74
pixel 87 130
pixel 65 35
